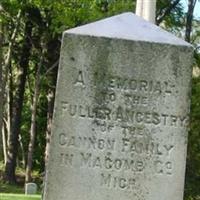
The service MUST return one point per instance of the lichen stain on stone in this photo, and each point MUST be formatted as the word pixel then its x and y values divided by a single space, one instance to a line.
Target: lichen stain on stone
pixel 101 71
pixel 175 64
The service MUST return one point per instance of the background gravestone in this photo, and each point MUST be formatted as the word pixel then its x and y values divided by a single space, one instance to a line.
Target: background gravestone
pixel 121 113
pixel 30 188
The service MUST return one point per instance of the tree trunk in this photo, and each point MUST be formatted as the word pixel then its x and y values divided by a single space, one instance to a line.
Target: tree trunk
pixel 9 96
pixel 53 48
pixel 191 5
pixel 33 123
pixel 50 98
pixel 164 12
pixel 22 152
pixel 4 66
pixel 17 105
pixel 1 92
pixel 4 143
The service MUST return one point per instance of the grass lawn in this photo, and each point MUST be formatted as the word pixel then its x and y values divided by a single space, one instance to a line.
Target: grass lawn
pixel 4 196
pixel 16 191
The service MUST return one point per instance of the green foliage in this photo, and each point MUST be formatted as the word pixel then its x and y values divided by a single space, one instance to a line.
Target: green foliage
pixel 193 159
pixel 68 14
pixel 175 20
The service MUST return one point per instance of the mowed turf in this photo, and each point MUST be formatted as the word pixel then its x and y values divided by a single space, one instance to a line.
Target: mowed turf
pixel 19 197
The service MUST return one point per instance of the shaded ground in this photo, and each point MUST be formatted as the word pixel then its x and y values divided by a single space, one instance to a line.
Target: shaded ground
pixel 16 191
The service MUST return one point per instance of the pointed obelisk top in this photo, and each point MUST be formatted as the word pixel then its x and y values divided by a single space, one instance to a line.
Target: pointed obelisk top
pixel 127 26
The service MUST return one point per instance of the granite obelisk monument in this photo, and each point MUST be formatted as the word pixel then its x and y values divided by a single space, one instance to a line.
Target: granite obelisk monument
pixel 121 113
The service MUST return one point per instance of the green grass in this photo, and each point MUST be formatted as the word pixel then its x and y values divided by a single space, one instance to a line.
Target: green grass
pixel 16 191
pixel 5 196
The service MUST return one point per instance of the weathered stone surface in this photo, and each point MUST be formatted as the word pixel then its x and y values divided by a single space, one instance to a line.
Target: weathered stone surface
pixel 30 188
pixel 121 113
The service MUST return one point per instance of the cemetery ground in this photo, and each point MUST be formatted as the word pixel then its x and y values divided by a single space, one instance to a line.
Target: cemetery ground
pixel 16 192
pixel 19 197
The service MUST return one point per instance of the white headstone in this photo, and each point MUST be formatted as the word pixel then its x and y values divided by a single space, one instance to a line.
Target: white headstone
pixel 30 188
pixel 121 113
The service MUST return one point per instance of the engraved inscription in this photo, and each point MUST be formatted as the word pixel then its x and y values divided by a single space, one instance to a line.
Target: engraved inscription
pixel 86 142
pixel 120 139
pixel 66 159
pixel 164 167
pixel 80 80
pixel 140 147
pixel 120 114
pixel 109 181
pixel 108 162
pixel 135 85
